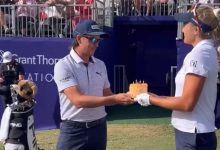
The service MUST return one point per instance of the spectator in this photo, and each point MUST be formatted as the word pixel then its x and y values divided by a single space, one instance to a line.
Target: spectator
pixel 143 7
pixel 84 11
pixel 164 7
pixel 137 6
pixel 206 1
pixel 3 24
pixel 84 90
pixel 26 16
pixel 5 15
pixel 10 73
pixel 126 7
pixel 194 102
pixel 149 7
pixel 203 1
pixel 216 1
pixel 60 13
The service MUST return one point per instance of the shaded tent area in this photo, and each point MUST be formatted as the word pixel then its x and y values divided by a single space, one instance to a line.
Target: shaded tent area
pixel 136 114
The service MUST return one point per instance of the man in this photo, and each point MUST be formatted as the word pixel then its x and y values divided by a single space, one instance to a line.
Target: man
pixel 10 73
pixel 84 90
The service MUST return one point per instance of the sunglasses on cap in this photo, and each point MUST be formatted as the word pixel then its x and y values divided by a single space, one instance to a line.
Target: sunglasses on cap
pixel 202 26
pixel 196 18
pixel 93 39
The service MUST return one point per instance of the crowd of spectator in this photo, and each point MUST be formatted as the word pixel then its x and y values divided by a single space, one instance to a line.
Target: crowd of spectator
pixel 57 18
pixel 32 17
pixel 154 7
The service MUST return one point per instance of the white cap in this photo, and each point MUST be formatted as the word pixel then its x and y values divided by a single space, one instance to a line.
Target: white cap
pixel 7 57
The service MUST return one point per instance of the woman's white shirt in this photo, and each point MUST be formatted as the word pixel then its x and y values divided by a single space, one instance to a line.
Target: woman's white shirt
pixel 202 60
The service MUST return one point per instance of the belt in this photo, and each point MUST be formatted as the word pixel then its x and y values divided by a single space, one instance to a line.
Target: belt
pixel 90 124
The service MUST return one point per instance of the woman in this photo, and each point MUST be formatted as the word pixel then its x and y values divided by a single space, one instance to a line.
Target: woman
pixel 196 83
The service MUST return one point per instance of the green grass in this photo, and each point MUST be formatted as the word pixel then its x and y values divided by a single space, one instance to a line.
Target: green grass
pixel 140 137
pixel 124 137
pixel 129 128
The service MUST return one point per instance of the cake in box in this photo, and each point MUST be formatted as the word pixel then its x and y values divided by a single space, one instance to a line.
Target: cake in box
pixel 138 88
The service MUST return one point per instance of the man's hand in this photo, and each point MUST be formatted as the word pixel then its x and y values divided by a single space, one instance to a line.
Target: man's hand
pixel 123 99
pixel 143 99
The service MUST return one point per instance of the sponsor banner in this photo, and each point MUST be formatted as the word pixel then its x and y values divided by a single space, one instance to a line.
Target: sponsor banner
pixel 39 57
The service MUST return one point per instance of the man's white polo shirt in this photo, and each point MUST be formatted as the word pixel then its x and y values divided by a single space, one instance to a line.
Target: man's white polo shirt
pixel 202 60
pixel 92 79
